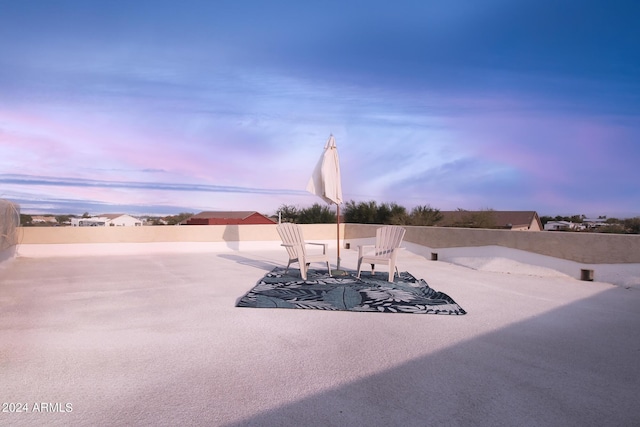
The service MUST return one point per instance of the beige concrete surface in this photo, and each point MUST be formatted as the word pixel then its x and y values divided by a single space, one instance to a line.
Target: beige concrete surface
pixel 155 339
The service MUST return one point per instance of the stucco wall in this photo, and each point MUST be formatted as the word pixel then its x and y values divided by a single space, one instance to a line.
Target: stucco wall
pixel 588 248
pixel 168 233
pixel 79 241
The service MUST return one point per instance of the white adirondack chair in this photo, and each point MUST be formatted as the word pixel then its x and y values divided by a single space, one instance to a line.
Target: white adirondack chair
pixel 293 241
pixel 385 251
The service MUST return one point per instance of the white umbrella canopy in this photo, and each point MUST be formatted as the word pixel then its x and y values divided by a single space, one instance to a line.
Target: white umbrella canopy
pixel 325 182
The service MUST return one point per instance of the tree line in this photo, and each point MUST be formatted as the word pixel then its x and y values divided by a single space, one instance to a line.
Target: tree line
pixel 372 212
pixel 362 213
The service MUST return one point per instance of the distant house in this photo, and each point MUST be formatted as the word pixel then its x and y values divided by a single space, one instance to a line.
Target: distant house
pixel 121 220
pixel 559 226
pixel 228 218
pixel 40 219
pixel 594 222
pixel 104 220
pixel 88 222
pixel 510 220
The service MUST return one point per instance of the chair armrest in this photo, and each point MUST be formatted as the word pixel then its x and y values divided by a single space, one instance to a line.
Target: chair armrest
pixel 362 248
pixel 291 245
pixel 324 246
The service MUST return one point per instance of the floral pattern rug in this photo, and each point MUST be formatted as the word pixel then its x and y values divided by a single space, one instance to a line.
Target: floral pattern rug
pixel 346 292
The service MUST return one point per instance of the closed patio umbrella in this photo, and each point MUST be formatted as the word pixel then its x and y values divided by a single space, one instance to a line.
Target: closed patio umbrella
pixel 325 181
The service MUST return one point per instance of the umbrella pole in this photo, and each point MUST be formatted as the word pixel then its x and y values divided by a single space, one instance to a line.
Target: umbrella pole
pixel 338 232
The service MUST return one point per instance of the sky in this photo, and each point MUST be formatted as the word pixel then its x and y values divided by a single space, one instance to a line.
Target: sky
pixel 159 107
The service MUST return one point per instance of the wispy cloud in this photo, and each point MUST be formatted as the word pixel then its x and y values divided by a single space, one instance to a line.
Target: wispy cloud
pixel 206 105
pixel 32 180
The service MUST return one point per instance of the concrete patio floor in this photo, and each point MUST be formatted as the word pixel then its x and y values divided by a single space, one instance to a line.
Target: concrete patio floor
pixel 157 340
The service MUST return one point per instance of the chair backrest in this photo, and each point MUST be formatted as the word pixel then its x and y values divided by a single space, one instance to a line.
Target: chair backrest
pixel 388 238
pixel 291 234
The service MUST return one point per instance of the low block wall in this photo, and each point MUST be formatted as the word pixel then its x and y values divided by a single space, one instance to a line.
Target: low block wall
pixel 613 258
pixel 587 248
pixel 167 233
pixel 77 241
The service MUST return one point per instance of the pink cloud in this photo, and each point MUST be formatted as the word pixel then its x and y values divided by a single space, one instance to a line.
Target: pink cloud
pixel 550 146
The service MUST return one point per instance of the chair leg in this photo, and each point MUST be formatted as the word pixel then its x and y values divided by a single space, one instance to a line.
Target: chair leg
pixel 359 266
pixel 329 268
pixel 287 269
pixel 302 262
pixel 373 267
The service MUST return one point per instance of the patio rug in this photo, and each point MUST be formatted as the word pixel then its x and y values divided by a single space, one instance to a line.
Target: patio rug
pixel 369 293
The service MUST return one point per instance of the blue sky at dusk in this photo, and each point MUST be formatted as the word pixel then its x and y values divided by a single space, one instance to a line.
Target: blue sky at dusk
pixel 162 107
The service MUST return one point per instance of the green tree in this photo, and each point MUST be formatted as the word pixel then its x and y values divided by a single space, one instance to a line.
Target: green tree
pixel 632 225
pixel 86 215
pixel 61 219
pixel 177 219
pixel 545 219
pixel 316 214
pixel 577 219
pixel 400 218
pixel 361 213
pixel 391 213
pixel 383 214
pixel 288 213
pixel 26 220
pixel 372 213
pixel 424 215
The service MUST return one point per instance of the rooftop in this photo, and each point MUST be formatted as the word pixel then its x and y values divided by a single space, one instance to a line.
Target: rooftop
pixel 225 214
pixel 156 339
pixel 506 219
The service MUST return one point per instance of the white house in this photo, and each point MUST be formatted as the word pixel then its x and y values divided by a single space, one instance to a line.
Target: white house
pixel 41 219
pixel 121 220
pixel 595 222
pixel 104 220
pixel 559 226
pixel 88 222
